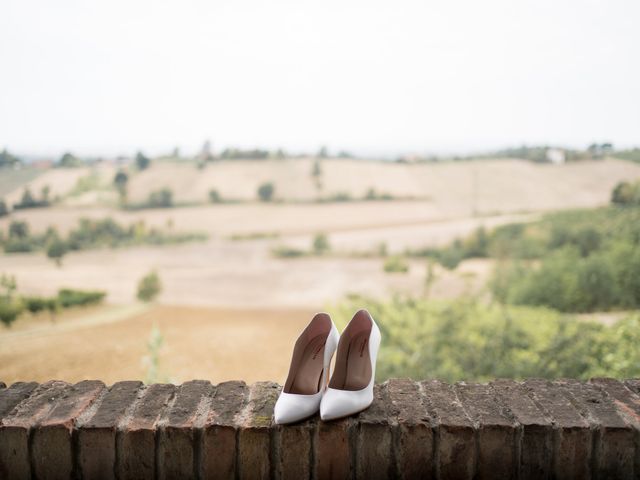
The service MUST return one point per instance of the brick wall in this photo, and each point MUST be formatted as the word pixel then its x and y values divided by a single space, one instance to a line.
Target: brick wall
pixel 506 429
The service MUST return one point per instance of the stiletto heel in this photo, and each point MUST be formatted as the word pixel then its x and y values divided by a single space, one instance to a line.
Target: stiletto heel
pixel 309 371
pixel 350 389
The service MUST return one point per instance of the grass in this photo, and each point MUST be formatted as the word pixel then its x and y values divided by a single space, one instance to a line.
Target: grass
pixel 11 180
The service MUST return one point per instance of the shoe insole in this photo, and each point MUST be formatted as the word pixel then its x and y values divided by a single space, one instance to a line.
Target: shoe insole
pixel 358 363
pixel 308 377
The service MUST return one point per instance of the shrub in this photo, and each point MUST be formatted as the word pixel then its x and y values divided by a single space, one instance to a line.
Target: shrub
pixel 266 191
pixel 56 249
pixel 10 310
pixel 214 196
pixel 40 304
pixel 283 251
pixel 466 340
pixel 626 193
pixel 396 264
pixel 320 244
pixel 149 287
pixel 68 297
pixel 161 199
pixel 4 210
pixel 142 161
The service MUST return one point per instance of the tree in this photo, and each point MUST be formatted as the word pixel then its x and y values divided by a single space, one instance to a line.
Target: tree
pixel 121 181
pixel 69 160
pixel 161 198
pixel 18 229
pixel 323 152
pixel 142 161
pixel 45 192
pixel 149 287
pixel 4 210
pixel 10 308
pixel 266 191
pixel 321 244
pixel 27 200
pixel 56 249
pixel 8 160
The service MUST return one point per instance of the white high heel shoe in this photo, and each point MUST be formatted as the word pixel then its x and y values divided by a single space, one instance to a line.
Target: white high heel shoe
pixel 351 386
pixel 309 371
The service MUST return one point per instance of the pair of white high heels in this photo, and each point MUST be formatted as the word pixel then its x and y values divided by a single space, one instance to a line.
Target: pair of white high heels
pixel 310 387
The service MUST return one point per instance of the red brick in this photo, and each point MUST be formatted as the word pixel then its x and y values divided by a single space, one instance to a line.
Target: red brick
pixel 181 432
pixel 254 440
pixel 496 430
pixel 97 435
pixel 16 427
pixel 455 457
pixel 614 437
pixel 136 439
pixel 221 429
pixel 12 396
pixel 572 433
pixel 333 449
pixel 52 455
pixel 374 449
pixel 414 444
pixel 535 445
pixel 293 449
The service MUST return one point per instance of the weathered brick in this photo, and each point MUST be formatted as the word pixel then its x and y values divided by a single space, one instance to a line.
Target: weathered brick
pixel 572 434
pixel 12 396
pixel 496 430
pixel 374 458
pixel 633 384
pixel 52 455
pixel 455 457
pixel 535 445
pixel 97 435
pixel 293 449
pixel 178 449
pixel 254 440
pixel 614 440
pixel 220 430
pixel 333 449
pixel 628 407
pixel 16 427
pixel 414 445
pixel 135 438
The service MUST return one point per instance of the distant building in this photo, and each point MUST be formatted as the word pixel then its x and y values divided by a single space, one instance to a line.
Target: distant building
pixel 556 156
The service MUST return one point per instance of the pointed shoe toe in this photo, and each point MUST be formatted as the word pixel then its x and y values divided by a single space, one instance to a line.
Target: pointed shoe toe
pixel 309 371
pixel 351 387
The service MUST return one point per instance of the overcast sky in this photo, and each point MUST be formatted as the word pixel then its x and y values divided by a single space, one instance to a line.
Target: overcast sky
pixel 108 77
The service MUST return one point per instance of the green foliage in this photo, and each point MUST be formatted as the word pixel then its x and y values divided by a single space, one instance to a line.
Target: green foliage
pixel 56 249
pixel 149 287
pixel 282 251
pixel 466 340
pixel 90 234
pixel 4 210
pixel 8 160
pixel 10 310
pixel 214 196
pixel 142 161
pixel 316 170
pixel 372 194
pixel 68 297
pixel 320 244
pixel 68 160
pixel 626 193
pixel 396 264
pixel 632 154
pixel 29 201
pixel 40 304
pixel 236 153
pixel 154 346
pixel 162 198
pixel 121 180
pixel 266 191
